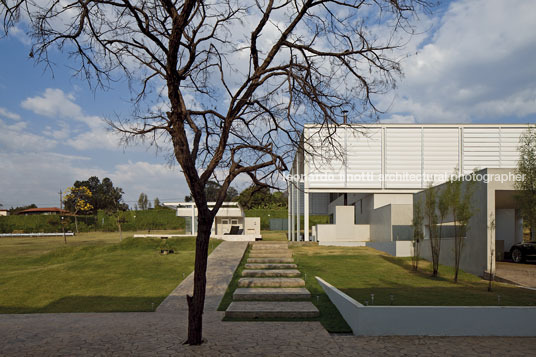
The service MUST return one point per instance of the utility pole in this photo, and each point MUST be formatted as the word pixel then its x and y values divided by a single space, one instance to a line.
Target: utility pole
pixel 61 199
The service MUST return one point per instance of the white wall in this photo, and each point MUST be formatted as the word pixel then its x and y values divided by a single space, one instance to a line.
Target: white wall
pixel 431 320
pixel 397 148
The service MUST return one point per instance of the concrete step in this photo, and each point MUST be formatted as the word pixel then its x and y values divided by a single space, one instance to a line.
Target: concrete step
pixel 271 309
pixel 270 254
pixel 271 273
pixel 271 266
pixel 271 283
pixel 270 260
pixel 242 294
pixel 269 246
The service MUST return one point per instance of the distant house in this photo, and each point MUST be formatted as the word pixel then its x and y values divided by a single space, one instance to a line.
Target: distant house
pixel 3 212
pixel 43 211
pixel 230 222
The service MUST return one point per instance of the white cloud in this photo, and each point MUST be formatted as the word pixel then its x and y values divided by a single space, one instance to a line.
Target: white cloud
pixel 16 138
pixel 478 65
pixel 37 177
pixel 7 114
pixel 19 34
pixel 399 119
pixel 55 103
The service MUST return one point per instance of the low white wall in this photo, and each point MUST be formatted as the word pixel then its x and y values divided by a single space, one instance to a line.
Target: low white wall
pixel 432 320
pixel 396 249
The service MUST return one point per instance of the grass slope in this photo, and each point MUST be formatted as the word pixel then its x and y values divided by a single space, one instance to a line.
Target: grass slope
pixel 360 272
pixel 92 273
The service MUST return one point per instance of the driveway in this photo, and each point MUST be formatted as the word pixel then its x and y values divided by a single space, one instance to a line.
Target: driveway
pixel 521 274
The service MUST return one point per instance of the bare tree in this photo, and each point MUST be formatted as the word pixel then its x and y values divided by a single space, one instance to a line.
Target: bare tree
pixel 228 84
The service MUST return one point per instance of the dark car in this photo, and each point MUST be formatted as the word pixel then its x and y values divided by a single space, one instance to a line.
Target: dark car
pixel 521 251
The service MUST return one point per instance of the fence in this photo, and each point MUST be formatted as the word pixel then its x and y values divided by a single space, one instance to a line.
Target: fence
pixel 278 224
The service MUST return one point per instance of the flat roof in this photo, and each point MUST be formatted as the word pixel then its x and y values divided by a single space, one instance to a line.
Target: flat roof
pixel 314 125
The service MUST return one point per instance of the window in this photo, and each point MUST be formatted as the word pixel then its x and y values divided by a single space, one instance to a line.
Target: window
pixel 234 221
pixel 224 221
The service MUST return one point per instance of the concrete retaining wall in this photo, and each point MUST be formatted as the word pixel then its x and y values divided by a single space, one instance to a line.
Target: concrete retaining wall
pixel 396 249
pixel 432 320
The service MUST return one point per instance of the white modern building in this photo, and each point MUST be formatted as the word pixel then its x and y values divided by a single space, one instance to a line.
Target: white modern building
pixel 230 223
pixel 365 178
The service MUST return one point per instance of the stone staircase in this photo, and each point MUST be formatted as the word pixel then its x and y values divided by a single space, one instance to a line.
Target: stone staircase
pixel 271 286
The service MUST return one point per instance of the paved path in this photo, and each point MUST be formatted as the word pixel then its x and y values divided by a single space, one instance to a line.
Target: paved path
pixel 162 333
pixel 222 263
pixel 522 274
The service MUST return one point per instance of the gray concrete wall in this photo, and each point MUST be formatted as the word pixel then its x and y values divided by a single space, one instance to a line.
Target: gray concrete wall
pixel 476 251
pixel 474 257
pixel 505 221
pixel 380 224
pixel 431 320
pixel 396 249
pixel 401 217
pixel 364 207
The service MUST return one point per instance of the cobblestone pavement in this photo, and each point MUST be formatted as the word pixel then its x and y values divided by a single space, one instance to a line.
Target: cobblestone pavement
pixel 162 333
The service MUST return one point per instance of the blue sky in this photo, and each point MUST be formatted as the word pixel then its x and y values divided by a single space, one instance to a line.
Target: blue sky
pixel 477 64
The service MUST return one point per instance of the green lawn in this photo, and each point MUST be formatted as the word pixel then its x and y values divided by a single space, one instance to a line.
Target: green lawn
pixel 92 273
pixel 360 272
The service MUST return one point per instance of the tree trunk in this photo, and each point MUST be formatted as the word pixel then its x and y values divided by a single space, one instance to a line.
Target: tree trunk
pixel 196 302
pixel 75 223
pixel 120 232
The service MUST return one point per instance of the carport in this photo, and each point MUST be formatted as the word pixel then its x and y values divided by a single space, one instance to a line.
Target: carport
pixel 508 223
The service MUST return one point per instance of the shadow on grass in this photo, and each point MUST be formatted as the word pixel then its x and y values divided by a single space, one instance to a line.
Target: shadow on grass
pixel 406 265
pixel 71 304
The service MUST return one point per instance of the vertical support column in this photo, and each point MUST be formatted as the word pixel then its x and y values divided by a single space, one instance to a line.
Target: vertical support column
pixel 306 215
pixel 289 209
pixel 298 193
pixel 294 194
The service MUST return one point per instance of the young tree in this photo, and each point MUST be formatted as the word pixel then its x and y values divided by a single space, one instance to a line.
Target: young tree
pixel 418 233
pixel 491 229
pixel 526 167
pixel 233 98
pixel 80 197
pixel 443 205
pixel 143 202
pixel 462 211
pixel 431 218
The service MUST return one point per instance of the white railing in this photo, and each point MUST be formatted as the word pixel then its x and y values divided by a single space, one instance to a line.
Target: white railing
pixel 35 234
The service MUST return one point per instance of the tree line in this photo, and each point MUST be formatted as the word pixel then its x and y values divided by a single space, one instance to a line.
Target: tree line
pixel 253 197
